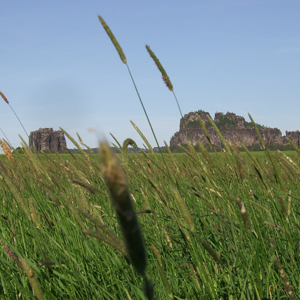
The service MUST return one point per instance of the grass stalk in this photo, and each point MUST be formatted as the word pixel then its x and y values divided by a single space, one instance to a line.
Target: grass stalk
pixel 257 132
pixel 284 278
pixel 184 211
pixel 169 85
pixel 34 282
pixel 244 214
pixel 294 146
pixel 143 137
pixel 112 235
pixel 6 138
pixel 5 99
pixel 205 131
pixel 210 250
pixel 219 134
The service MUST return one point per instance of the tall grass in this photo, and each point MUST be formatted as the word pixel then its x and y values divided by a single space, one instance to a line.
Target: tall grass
pixel 216 237
pixel 147 226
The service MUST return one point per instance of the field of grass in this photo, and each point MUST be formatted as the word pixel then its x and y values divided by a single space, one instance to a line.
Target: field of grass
pixel 149 226
pixel 225 228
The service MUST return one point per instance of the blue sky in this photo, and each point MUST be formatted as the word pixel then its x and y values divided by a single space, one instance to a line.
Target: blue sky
pixel 59 68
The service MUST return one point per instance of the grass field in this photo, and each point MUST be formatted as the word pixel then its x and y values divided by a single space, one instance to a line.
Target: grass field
pixel 225 228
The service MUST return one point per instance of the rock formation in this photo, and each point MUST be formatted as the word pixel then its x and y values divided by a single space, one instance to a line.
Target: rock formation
pixel 294 136
pixel 47 139
pixel 233 128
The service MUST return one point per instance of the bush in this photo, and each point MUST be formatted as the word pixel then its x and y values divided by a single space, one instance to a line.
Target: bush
pixel 194 124
pixel 19 150
pixel 249 124
pixel 225 121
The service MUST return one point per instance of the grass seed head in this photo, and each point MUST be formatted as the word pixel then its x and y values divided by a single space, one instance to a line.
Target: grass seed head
pixel 184 211
pixel 33 280
pixel 164 74
pixel 284 278
pixel 210 250
pixel 34 212
pixel 243 212
pixel 114 40
pixel 7 152
pixel 3 97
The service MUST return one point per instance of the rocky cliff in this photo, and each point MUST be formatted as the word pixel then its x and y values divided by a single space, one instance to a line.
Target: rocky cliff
pixel 234 129
pixel 294 136
pixel 47 139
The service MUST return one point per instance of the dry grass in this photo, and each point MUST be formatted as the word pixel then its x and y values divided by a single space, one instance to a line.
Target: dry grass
pixel 7 151
pixel 3 97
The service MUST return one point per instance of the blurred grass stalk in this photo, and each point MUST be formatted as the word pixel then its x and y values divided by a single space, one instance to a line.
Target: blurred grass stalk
pixel 117 186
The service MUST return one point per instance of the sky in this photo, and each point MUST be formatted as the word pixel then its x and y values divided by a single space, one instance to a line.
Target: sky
pixel 60 69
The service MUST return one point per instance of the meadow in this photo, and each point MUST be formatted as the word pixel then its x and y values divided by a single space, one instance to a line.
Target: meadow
pixel 149 226
pixel 225 228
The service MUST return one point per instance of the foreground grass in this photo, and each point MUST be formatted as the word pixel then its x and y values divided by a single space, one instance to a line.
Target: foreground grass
pixel 221 229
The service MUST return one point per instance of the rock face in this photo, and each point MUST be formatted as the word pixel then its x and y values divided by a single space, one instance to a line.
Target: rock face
pixel 47 139
pixel 234 129
pixel 294 136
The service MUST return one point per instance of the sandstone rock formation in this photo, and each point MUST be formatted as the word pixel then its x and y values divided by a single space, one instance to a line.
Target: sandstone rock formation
pixel 294 136
pixel 233 128
pixel 47 139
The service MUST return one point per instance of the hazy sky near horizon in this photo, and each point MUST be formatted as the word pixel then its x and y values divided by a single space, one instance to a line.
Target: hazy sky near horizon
pixel 59 68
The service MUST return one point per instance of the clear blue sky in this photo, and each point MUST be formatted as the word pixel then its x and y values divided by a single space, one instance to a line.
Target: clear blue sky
pixel 59 68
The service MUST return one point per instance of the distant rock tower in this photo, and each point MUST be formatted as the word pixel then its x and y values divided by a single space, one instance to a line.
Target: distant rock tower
pixel 47 139
pixel 294 136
